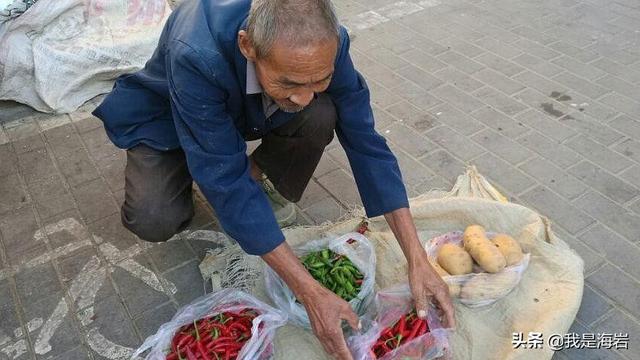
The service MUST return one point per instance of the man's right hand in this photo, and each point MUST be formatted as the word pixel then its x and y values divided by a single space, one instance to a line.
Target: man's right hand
pixel 325 309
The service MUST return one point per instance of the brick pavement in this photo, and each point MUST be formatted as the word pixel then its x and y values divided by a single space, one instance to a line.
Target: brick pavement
pixel 543 96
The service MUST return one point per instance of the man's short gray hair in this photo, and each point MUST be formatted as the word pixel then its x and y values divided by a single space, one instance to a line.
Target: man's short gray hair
pixel 299 22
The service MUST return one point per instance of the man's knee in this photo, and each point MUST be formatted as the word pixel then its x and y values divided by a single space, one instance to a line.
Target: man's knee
pixel 320 120
pixel 155 223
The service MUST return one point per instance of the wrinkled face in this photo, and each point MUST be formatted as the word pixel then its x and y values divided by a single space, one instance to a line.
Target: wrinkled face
pixel 291 76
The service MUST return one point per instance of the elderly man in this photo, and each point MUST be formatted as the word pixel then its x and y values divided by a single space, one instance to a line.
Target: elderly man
pixel 230 71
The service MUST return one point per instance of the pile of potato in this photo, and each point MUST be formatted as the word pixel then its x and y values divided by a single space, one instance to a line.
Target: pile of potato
pixel 483 257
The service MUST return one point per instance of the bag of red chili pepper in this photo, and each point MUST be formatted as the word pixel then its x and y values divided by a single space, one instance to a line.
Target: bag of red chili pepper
pixel 228 324
pixel 345 265
pixel 397 332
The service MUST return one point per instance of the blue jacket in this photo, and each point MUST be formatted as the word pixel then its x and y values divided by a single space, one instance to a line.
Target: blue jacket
pixel 192 94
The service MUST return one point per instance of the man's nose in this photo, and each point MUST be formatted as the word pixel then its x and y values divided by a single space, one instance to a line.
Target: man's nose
pixel 302 98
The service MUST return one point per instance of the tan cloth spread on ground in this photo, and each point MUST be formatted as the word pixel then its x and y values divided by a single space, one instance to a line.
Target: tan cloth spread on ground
pixel 546 300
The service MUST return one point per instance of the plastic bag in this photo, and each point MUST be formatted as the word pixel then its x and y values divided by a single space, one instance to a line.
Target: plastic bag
pixel 262 332
pixel 391 304
pixel 360 252
pixel 479 288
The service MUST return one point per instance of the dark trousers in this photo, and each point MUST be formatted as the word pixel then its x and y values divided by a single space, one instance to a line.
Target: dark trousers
pixel 158 186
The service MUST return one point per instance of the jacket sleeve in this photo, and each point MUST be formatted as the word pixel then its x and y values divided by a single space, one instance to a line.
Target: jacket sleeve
pixel 216 152
pixel 374 166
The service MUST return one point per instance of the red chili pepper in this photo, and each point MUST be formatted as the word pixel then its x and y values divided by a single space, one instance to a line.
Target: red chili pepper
pixel 414 331
pixel 172 356
pixel 203 351
pixel 364 226
pixel 190 355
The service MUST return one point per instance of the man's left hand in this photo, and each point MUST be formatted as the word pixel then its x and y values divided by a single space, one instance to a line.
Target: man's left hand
pixel 427 285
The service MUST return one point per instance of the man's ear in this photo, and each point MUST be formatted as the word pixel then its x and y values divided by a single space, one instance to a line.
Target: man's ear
pixel 246 48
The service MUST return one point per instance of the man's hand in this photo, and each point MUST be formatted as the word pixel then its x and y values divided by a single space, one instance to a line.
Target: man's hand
pixel 325 309
pixel 425 283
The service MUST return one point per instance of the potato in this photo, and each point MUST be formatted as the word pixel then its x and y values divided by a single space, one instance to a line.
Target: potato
pixel 509 247
pixel 455 260
pixel 454 289
pixel 483 251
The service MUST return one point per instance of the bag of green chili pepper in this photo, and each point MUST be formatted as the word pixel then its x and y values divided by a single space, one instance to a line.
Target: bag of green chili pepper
pixel 345 265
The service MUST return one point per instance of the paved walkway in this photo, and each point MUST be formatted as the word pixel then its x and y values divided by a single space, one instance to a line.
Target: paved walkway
pixel 543 96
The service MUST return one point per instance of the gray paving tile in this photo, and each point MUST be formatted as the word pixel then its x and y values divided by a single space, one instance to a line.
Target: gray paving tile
pixel 626 125
pixel 536 49
pixel 421 78
pixel 35 165
pixel 545 124
pixel 413 172
pixel 460 62
pixel 325 210
pixel 461 80
pixel 540 83
pixel 611 214
pixel 113 322
pixel 553 177
pixel 570 217
pixel 581 85
pixel 499 64
pixel 325 165
pixel 409 140
pixel 8 160
pixel 499 122
pixel 599 154
pixel 382 75
pixel 632 175
pixel 454 143
pixel 498 47
pixel 508 179
pixel 456 119
pixel 423 60
pixel 620 86
pixel 312 194
pixel 591 127
pixel 413 116
pixel 619 251
pixel 622 103
pixel 592 259
pixel 460 45
pixel 28 144
pixel 498 81
pixel 150 321
pixel 136 294
pixel 386 57
pixel 110 230
pixel 17 228
pixel 457 98
pixel 37 282
pixel 499 101
pixel 380 96
pixel 593 306
pixel 619 322
pixel 620 70
pixel 629 148
pixel 583 55
pixel 443 164
pixel 618 286
pixel 604 182
pixel 169 254
pixel 77 168
pixel 12 193
pixel 579 68
pixel 342 187
pixel 94 200
pixel 78 353
pixel 537 65
pixel 533 35
pixel 549 149
pixel 502 146
pixel 63 140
